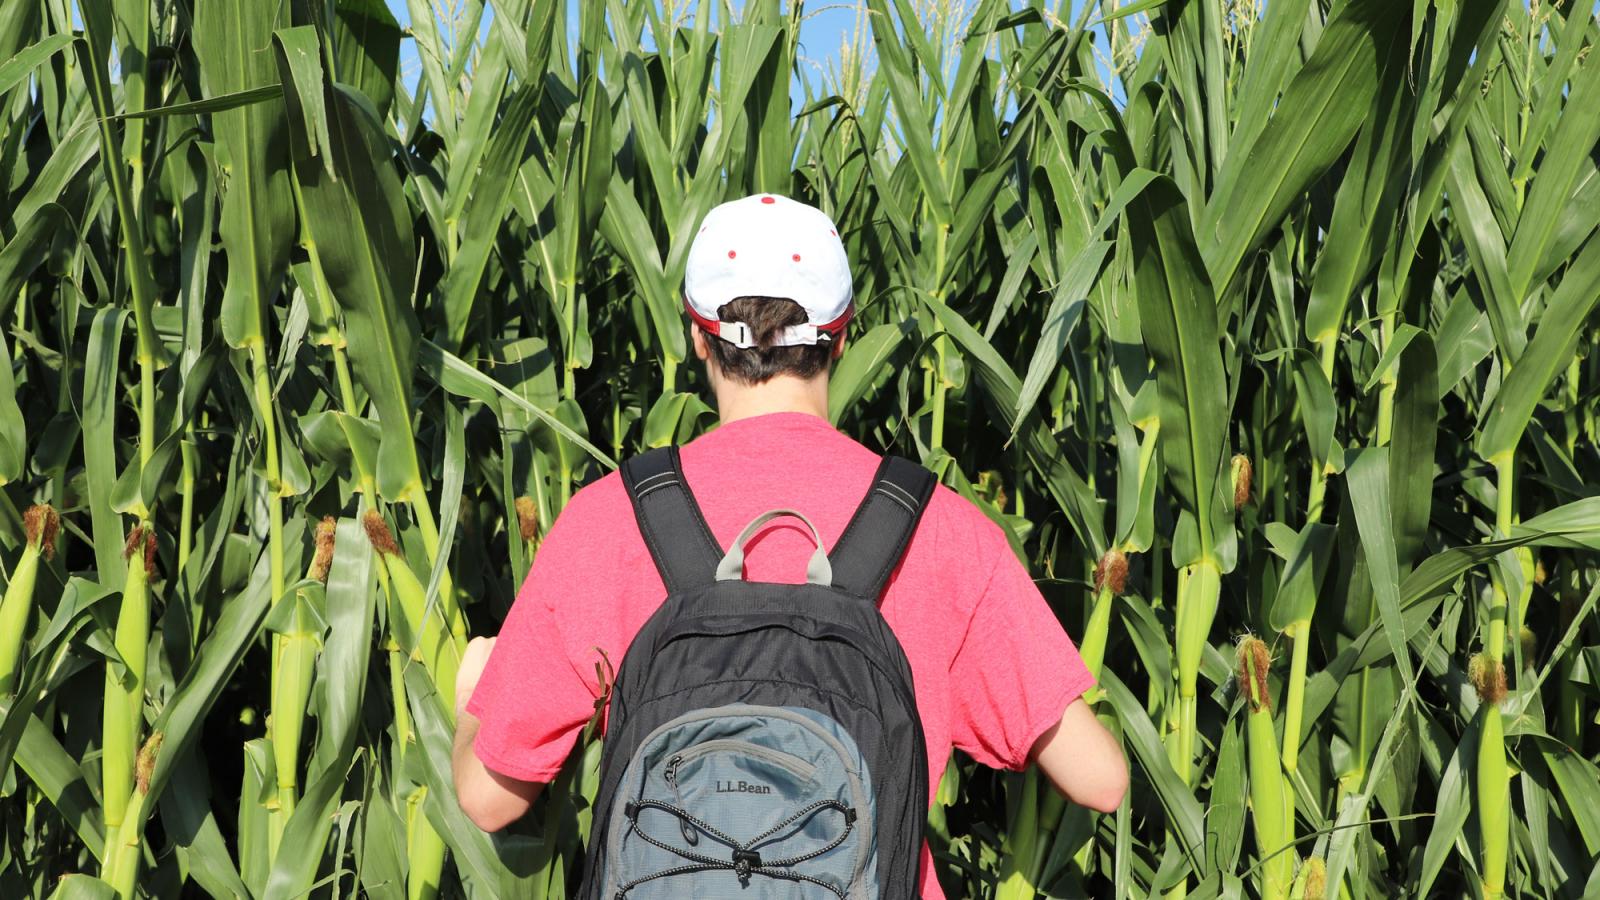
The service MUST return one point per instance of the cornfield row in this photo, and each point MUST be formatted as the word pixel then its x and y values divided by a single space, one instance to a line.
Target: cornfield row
pixel 1265 330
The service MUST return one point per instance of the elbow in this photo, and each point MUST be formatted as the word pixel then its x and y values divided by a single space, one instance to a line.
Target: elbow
pixel 1109 790
pixel 1109 799
pixel 492 801
pixel 489 817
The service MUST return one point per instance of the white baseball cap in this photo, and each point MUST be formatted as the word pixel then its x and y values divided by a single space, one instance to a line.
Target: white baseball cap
pixel 769 246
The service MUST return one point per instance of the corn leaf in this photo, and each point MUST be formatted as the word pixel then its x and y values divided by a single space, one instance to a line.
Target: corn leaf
pixel 1177 314
pixel 364 239
pixel 1330 96
pixel 1413 446
pixel 257 214
pixel 1548 353
pixel 1571 144
pixel 1367 475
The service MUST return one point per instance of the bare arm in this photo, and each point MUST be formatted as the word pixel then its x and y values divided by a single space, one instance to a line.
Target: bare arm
pixel 491 800
pixel 1083 760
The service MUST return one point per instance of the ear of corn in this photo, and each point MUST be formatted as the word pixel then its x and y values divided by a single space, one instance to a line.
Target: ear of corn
pixel 1269 792
pixel 124 697
pixel 40 527
pixel 1292 306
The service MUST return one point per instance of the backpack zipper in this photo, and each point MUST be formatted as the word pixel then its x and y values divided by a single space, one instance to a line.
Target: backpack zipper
pixel 794 765
pixel 671 776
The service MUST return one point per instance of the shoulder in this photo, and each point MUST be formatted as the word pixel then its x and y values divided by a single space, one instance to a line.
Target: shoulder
pixel 595 516
pixel 603 495
pixel 959 521
pixel 595 532
pixel 960 547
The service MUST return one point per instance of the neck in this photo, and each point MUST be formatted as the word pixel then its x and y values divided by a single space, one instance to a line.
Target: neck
pixel 780 394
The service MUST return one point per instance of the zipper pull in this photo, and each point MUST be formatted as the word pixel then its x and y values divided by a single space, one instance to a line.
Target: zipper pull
pixel 671 776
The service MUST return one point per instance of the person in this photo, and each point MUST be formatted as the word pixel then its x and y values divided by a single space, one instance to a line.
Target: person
pixel 768 291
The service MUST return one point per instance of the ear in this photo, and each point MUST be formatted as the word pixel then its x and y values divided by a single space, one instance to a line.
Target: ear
pixel 701 351
pixel 838 347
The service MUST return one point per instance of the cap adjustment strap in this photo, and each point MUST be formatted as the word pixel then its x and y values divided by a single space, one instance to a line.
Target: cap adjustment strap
pixel 741 335
pixel 744 337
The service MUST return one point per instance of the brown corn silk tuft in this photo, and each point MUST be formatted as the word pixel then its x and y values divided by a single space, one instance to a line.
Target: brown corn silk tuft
pixel 1111 572
pixel 41 523
pixel 1316 878
pixel 1488 677
pixel 131 545
pixel 141 539
pixel 379 534
pixel 527 518
pixel 1253 662
pixel 324 555
pixel 1243 473
pixel 145 766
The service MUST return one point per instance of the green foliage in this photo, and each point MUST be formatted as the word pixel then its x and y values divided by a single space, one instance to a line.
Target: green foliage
pixel 1107 256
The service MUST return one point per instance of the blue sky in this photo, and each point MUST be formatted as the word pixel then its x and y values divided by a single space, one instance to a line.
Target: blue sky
pixel 827 22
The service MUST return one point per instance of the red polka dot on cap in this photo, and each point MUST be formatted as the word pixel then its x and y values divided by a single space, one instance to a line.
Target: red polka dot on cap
pixel 768 200
pixel 797 257
pixel 732 254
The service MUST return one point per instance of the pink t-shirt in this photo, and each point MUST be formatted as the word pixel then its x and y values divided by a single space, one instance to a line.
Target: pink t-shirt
pixel 992 667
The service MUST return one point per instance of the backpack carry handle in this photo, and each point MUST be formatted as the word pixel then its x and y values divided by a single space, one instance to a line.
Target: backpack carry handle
pixel 818 570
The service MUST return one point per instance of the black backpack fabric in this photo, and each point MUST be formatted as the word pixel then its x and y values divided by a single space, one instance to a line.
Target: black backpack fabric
pixel 762 739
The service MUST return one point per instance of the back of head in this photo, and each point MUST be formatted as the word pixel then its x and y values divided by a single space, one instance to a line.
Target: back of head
pixel 767 318
pixel 768 282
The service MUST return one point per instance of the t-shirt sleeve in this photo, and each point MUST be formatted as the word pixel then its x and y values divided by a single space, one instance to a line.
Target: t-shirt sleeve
pixel 532 701
pixel 1016 671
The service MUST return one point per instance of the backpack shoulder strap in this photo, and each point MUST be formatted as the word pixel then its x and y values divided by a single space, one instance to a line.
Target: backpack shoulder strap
pixel 680 541
pixel 881 528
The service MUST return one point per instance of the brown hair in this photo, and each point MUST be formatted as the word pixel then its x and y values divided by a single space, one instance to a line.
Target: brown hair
pixel 767 317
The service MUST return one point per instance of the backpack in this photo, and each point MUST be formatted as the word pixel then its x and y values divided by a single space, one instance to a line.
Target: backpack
pixel 762 739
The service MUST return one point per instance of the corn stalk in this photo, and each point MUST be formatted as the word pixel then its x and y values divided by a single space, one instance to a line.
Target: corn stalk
pixel 282 262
